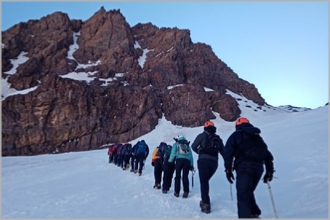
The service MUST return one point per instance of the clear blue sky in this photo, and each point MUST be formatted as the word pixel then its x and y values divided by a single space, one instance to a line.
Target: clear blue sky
pixel 280 47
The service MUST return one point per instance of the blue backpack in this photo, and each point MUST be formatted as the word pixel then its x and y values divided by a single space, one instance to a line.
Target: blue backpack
pixel 161 149
pixel 142 148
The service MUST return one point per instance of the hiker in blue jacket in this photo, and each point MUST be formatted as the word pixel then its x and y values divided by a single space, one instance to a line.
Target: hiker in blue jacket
pixel 248 165
pixel 183 163
pixel 141 153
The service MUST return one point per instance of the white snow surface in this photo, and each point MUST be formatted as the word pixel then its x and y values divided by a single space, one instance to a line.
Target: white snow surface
pixel 85 185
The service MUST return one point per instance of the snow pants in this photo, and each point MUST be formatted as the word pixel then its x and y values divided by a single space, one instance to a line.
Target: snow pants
pixel 168 174
pixel 158 171
pixel 248 175
pixel 139 162
pixel 126 160
pixel 206 169
pixel 133 159
pixel 181 165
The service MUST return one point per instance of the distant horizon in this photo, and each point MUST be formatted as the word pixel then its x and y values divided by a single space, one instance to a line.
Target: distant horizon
pixel 273 46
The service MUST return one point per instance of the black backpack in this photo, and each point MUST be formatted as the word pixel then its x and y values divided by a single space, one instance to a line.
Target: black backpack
pixel 213 144
pixel 129 149
pixel 253 147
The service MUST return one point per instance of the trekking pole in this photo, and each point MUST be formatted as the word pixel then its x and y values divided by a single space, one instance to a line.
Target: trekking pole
pixel 192 178
pixel 231 192
pixel 272 199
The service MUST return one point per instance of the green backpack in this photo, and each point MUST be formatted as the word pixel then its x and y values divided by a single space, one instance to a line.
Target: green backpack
pixel 167 151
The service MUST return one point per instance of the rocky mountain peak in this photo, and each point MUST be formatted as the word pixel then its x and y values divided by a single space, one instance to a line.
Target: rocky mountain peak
pixel 88 83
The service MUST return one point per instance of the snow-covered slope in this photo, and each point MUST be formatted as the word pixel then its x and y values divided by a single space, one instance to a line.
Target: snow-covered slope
pixel 85 185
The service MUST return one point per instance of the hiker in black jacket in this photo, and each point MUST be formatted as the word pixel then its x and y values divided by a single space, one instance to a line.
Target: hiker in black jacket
pixel 207 162
pixel 241 156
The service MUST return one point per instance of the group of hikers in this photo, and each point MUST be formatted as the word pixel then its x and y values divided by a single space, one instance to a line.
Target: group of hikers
pixel 245 152
pixel 126 155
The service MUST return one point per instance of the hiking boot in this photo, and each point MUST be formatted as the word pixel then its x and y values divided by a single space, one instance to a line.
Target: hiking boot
pixel 164 191
pixel 176 194
pixel 140 174
pixel 158 186
pixel 185 195
pixel 132 170
pixel 135 171
pixel 201 203
pixel 206 208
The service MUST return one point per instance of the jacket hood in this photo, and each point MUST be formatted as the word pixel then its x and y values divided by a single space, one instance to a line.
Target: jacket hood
pixel 249 129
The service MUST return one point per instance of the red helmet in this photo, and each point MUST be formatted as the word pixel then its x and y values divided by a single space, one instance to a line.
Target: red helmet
pixel 208 123
pixel 241 120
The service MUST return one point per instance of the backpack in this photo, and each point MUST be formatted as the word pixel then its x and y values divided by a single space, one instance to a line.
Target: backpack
pixel 119 149
pixel 128 149
pixel 183 147
pixel 113 149
pixel 167 152
pixel 253 148
pixel 141 148
pixel 161 149
pixel 213 144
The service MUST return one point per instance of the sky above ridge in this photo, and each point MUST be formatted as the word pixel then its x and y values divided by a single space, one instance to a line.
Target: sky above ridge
pixel 280 47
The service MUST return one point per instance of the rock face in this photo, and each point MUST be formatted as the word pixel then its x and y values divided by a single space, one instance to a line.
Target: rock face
pixel 139 75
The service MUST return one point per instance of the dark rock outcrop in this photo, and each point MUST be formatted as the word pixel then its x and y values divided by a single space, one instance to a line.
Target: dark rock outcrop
pixel 139 74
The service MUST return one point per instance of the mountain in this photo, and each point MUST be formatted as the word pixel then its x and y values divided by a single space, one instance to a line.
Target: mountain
pixel 73 85
pixel 291 108
pixel 85 185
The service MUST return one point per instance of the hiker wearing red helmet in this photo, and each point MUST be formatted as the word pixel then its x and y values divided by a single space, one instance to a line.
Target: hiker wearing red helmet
pixel 246 152
pixel 207 145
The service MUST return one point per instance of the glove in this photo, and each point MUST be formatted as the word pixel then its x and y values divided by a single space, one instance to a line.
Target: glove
pixel 268 176
pixel 152 164
pixel 230 176
pixel 192 168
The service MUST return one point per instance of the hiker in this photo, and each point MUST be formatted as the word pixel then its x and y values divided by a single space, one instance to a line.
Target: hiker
pixel 157 163
pixel 168 170
pixel 207 162
pixel 183 163
pixel 114 153
pixel 133 156
pixel 245 152
pixel 119 155
pixel 126 152
pixel 141 153
pixel 110 152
